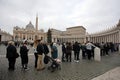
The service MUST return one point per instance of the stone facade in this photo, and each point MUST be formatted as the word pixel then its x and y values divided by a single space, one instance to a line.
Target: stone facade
pixel 4 36
pixel 78 33
pixel 29 33
pixel 72 34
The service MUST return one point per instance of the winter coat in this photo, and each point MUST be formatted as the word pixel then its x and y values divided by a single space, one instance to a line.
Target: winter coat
pixel 76 48
pixel 11 52
pixel 54 52
pixel 40 49
pixel 23 51
pixel 46 50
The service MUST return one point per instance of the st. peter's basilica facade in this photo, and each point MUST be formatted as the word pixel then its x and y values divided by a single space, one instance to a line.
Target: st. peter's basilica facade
pixel 72 34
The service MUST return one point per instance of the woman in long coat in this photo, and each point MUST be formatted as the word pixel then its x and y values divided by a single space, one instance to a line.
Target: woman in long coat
pixel 11 55
pixel 54 51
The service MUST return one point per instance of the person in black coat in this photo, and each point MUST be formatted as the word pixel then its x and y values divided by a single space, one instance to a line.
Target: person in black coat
pixel 68 52
pixel 63 52
pixel 24 55
pixel 11 55
pixel 35 52
pixel 83 47
pixel 40 51
pixel 76 49
pixel 46 49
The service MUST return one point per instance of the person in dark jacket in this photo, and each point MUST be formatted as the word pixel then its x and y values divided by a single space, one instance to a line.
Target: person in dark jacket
pixel 68 51
pixel 63 52
pixel 35 52
pixel 24 55
pixel 106 47
pixel 40 51
pixel 46 49
pixel 83 47
pixel 76 49
pixel 11 55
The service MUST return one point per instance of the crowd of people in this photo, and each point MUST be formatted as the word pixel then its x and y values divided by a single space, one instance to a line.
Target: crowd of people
pixel 41 49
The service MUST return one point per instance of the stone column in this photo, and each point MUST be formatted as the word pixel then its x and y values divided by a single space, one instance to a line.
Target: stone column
pixel 110 37
pixel 116 38
pixel 93 39
pixel 107 38
pixel 97 39
pixel 102 39
pixel 119 36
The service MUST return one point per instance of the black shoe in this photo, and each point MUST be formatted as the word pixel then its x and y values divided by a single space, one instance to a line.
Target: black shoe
pixel 11 69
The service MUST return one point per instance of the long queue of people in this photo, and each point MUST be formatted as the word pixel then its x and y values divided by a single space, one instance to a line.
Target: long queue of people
pixel 41 49
pixel 87 50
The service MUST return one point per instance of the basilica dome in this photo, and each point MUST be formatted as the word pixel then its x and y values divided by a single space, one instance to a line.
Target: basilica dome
pixel 30 26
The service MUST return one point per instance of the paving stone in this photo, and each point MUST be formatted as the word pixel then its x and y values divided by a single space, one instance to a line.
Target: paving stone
pixel 84 70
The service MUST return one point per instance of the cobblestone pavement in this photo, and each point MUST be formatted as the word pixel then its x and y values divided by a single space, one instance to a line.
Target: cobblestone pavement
pixel 84 70
pixel 113 74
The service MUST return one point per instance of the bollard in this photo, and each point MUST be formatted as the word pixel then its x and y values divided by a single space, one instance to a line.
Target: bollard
pixel 97 56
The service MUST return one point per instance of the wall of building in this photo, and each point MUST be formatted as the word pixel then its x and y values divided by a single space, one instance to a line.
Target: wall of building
pixel 72 34
pixel 4 36
pixel 20 34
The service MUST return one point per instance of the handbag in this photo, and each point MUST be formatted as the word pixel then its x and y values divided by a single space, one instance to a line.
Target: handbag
pixel 46 59
pixel 16 55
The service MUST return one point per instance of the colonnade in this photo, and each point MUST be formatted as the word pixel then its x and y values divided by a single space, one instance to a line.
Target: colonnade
pixel 108 36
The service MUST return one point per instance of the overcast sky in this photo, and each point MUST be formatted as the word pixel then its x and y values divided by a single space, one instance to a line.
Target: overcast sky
pixel 94 15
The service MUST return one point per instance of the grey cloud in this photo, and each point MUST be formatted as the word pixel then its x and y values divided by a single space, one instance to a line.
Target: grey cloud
pixel 59 14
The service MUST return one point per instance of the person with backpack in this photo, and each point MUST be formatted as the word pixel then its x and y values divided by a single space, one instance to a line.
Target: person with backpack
pixel 89 48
